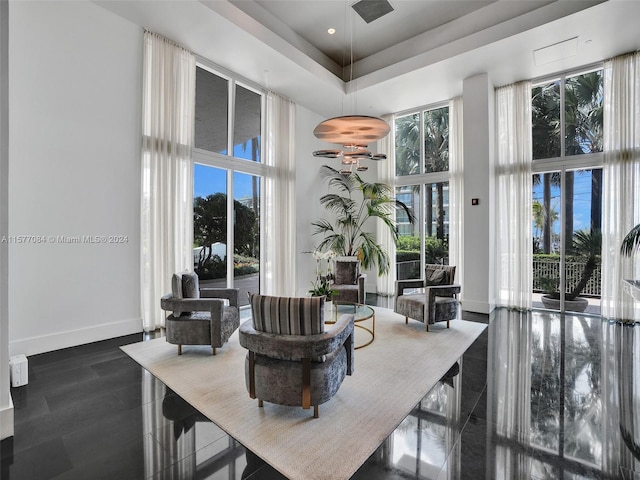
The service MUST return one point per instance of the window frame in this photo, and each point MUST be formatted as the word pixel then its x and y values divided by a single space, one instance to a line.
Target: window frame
pixel 564 161
pixel 232 164
pixel 422 179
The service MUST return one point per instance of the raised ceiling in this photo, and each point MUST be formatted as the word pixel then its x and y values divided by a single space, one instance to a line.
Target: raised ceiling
pixel 312 18
pixel 418 54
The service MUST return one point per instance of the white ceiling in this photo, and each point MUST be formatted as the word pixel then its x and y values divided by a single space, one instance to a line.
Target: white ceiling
pixel 416 55
pixel 310 20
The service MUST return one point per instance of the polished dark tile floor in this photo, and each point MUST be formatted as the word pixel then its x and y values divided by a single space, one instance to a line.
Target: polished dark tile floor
pixel 537 396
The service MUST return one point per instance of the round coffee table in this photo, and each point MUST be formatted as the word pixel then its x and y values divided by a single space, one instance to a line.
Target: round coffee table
pixel 362 314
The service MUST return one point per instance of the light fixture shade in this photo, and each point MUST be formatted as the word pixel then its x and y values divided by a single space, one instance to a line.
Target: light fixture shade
pixel 328 153
pixel 352 130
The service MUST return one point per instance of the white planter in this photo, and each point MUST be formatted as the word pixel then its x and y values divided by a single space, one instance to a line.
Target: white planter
pixel 576 305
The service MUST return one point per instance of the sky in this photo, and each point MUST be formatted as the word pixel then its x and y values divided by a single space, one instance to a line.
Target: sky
pixel 208 180
pixel 582 201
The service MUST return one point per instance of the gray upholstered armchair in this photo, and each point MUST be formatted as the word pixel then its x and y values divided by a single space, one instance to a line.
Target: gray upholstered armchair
pixel 292 360
pixel 437 300
pixel 201 316
pixel 348 282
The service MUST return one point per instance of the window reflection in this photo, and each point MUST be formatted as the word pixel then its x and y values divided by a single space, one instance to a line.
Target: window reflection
pixel 571 390
pixel 427 439
pixel 182 442
pixel 211 112
pixel 247 124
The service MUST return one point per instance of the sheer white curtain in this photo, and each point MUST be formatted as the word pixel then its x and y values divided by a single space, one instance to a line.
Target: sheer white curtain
pixel 456 185
pixel 514 242
pixel 509 392
pixel 385 284
pixel 621 179
pixel 278 275
pixel 167 171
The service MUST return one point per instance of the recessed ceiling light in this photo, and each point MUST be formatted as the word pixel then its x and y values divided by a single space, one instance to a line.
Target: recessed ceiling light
pixel 331 31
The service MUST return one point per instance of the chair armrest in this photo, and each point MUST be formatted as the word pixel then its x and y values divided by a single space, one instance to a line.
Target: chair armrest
pixel 230 294
pixel 401 285
pixel 450 291
pixel 442 291
pixel 168 302
pixel 296 346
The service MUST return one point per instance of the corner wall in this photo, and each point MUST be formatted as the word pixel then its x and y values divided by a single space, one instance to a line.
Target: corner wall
pixel 478 171
pixel 74 198
pixel 309 189
pixel 6 406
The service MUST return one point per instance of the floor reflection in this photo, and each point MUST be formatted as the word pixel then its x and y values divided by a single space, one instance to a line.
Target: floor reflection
pixel 562 400
pixel 537 396
pixel 555 395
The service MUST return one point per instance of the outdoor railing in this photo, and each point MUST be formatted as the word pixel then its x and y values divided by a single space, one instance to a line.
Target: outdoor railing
pixel 550 268
pixel 545 267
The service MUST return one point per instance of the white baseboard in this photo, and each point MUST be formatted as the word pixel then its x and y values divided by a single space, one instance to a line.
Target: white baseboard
pixel 6 421
pixel 477 307
pixel 72 338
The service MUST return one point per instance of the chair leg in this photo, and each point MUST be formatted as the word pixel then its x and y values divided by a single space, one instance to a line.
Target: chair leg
pixel 316 414
pixel 406 320
pixel 179 349
pixel 426 326
pixel 214 350
pixel 306 383
pixel 447 323
pixel 252 376
pixel 260 404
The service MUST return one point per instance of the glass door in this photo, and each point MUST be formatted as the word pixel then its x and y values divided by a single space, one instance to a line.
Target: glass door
pixel 226 229
pixel 426 241
pixel 566 225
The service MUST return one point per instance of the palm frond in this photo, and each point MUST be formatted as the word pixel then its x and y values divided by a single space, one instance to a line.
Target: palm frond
pixel 344 183
pixel 322 226
pixel 587 243
pixel 631 241
pixel 335 242
pixel 370 253
pixel 376 190
pixel 337 203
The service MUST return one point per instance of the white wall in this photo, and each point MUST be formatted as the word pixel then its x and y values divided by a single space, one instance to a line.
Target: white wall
pixel 478 173
pixel 6 406
pixel 74 170
pixel 309 189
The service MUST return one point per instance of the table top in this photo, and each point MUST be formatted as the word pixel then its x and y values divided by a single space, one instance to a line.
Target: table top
pixel 361 312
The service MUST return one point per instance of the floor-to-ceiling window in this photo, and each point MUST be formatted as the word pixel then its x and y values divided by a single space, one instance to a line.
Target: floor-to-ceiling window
pixel 422 179
pixel 228 172
pixel 567 125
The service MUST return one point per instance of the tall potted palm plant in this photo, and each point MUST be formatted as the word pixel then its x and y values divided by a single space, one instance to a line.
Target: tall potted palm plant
pixel 586 245
pixel 355 202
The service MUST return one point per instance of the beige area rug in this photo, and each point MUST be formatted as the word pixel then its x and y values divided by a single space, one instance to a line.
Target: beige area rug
pixel 391 376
